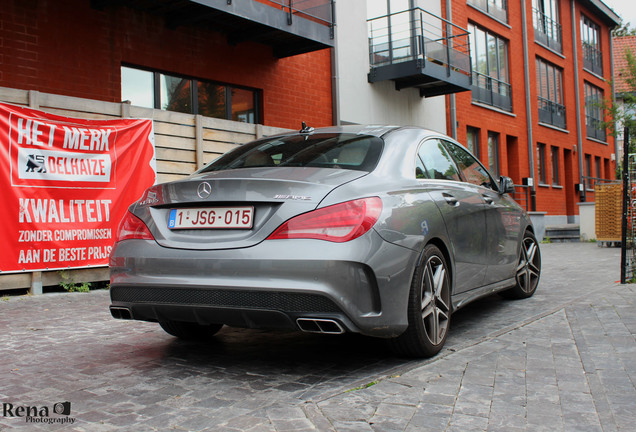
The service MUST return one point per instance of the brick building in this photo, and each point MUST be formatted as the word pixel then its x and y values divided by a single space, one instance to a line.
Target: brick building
pixel 621 46
pixel 252 61
pixel 540 69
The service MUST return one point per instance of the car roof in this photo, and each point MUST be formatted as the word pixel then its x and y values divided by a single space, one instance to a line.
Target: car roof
pixel 372 130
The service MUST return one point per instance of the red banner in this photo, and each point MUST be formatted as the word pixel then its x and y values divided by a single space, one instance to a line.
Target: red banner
pixel 66 183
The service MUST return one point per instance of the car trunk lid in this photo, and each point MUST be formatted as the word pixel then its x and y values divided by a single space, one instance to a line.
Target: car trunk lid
pixel 274 194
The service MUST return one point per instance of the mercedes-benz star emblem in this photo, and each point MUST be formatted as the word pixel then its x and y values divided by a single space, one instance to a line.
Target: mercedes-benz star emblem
pixel 204 190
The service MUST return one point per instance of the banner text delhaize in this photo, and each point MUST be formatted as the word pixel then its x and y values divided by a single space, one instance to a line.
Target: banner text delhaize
pixel 67 183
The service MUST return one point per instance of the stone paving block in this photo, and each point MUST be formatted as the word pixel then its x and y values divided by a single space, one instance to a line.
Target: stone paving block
pixel 352 426
pixel 432 421
pixel 395 410
pixel 467 423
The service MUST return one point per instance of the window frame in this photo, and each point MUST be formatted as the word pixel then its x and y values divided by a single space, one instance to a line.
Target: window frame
pixel 194 93
pixel 554 155
pixel 544 18
pixel 542 174
pixel 474 133
pixel 550 95
pixel 591 45
pixel 594 112
pixel 491 69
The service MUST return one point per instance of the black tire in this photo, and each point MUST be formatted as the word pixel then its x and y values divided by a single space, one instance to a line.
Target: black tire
pixel 190 331
pixel 528 271
pixel 429 308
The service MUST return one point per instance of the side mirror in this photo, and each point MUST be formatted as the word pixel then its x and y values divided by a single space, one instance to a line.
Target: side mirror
pixel 506 185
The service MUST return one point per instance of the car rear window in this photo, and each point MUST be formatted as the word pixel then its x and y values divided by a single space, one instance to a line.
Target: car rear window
pixel 323 150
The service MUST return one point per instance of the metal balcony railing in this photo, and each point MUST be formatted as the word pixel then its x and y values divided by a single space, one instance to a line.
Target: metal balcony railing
pixel 552 113
pixel 592 59
pixel 547 31
pixel 498 9
pixel 491 91
pixel 595 128
pixel 319 10
pixel 416 34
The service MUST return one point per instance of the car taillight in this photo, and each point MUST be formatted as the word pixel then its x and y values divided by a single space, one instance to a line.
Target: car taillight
pixel 131 227
pixel 337 223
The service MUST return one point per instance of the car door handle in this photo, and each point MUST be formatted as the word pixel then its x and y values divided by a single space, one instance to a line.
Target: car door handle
pixel 450 199
pixel 488 199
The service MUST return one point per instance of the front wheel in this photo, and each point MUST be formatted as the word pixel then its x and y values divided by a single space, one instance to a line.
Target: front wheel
pixel 429 308
pixel 190 331
pixel 528 269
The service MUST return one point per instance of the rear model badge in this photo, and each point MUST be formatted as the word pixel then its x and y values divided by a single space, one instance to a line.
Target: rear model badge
pixel 293 197
pixel 204 190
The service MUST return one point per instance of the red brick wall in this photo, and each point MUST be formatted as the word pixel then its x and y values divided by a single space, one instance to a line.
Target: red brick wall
pixel 67 47
pixel 513 158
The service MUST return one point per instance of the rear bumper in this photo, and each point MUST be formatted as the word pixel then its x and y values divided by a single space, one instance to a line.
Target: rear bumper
pixel 361 285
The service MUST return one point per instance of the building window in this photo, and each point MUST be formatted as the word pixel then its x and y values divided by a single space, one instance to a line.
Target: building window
pixel 550 94
pixel 137 86
pixel 152 89
pixel 547 28
pixel 542 175
pixel 590 39
pixel 597 167
pixel 490 68
pixel 175 94
pixel 594 112
pixel 472 140
pixel 493 153
pixel 497 8
pixel 556 181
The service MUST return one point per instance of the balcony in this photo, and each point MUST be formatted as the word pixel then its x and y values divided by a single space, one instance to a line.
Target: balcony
pixel 592 59
pixel 491 91
pixel 290 27
pixel 552 113
pixel 417 49
pixel 547 31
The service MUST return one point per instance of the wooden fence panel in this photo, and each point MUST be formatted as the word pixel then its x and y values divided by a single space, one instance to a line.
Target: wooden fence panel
pixel 183 142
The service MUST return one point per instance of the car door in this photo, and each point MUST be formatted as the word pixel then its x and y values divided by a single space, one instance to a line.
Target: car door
pixel 462 209
pixel 501 213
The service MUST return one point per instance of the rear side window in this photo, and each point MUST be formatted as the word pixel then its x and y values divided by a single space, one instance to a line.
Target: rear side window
pixel 338 151
pixel 472 171
pixel 437 163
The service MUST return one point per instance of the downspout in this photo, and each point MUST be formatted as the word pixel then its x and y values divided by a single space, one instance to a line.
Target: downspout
pixel 579 137
pixel 526 74
pixel 452 102
pixel 611 41
pixel 335 77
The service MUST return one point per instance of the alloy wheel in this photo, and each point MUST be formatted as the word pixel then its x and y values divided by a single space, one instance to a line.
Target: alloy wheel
pixel 435 300
pixel 529 267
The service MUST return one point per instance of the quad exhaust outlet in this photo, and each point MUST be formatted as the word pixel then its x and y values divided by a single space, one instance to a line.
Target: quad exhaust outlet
pixel 317 325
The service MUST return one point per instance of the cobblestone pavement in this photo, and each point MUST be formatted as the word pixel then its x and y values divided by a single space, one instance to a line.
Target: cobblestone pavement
pixel 563 360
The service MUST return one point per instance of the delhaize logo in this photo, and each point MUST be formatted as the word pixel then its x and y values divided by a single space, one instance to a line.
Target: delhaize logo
pixel 59 154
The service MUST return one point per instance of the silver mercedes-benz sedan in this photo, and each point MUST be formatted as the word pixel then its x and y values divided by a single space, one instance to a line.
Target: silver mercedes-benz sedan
pixel 383 231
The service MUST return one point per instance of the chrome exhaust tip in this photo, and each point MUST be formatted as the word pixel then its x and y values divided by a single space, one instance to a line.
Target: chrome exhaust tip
pixel 121 312
pixel 317 325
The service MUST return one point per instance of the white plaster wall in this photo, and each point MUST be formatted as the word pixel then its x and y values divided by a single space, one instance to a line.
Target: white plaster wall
pixel 378 103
